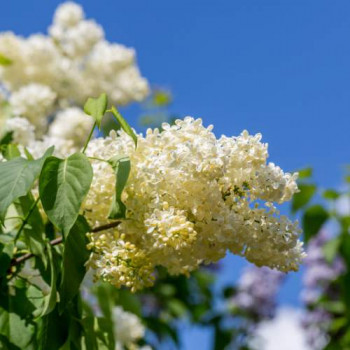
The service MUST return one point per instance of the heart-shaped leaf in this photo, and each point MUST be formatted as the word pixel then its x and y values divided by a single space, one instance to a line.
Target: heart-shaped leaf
pixel 63 185
pixel 96 107
pixel 17 177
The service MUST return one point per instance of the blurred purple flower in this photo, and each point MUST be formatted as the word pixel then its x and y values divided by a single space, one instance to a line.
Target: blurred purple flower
pixel 257 291
pixel 319 273
pixel 318 280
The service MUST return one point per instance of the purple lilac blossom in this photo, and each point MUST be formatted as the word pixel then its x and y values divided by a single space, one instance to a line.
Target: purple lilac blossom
pixel 257 291
pixel 318 280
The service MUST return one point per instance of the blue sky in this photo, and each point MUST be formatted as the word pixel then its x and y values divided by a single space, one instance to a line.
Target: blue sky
pixel 279 67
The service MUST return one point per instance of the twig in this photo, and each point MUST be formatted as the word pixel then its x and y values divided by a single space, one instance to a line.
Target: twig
pixel 106 227
pixel 59 240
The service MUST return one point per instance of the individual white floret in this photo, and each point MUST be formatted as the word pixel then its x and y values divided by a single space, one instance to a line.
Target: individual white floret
pixel 68 14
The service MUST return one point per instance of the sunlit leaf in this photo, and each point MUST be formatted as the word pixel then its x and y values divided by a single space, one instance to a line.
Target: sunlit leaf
pixel 305 173
pixel 124 124
pixel 17 177
pixel 330 249
pixel 11 152
pixel 96 108
pixel 63 185
pixel 5 61
pixel 121 167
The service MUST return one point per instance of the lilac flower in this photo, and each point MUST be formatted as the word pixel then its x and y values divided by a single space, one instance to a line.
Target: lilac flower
pixel 256 292
pixel 318 280
pixel 319 273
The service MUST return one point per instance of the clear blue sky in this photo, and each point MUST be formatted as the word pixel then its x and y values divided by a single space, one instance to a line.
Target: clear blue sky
pixel 279 67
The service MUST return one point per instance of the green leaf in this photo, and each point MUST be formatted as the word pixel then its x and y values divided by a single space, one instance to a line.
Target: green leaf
pixel 344 249
pixel 50 300
pixel 74 258
pixel 305 173
pixel 177 307
pixel 330 249
pixel 14 325
pixel 17 177
pixel 89 333
pixel 96 107
pixel 6 253
pixel 303 197
pixel 313 219
pixel 6 139
pixel 129 301
pixel 121 167
pixel 161 98
pixel 105 332
pixel 338 323
pixel 124 124
pixel 331 194
pixel 63 185
pixel 34 229
pixel 53 331
pixel 335 307
pixel 5 61
pixel 11 152
pixel 106 295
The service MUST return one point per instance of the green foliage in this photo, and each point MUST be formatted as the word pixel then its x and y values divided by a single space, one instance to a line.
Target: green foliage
pixel 331 194
pixel 124 124
pixel 50 299
pixel 121 167
pixel 6 139
pixel 331 248
pixel 303 197
pixel 335 297
pixel 17 178
pixel 313 219
pixel 75 256
pixel 15 330
pixel 63 185
pixel 33 226
pixel 96 108
pixel 161 98
pixel 5 61
pixel 305 173
pixel 6 253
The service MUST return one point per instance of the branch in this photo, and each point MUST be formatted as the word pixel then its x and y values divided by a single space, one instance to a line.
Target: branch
pixel 59 240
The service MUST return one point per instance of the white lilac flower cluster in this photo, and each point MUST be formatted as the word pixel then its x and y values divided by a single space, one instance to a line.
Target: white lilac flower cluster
pixel 257 292
pixel 128 330
pixel 318 279
pixel 190 198
pixel 51 76
pixel 74 60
